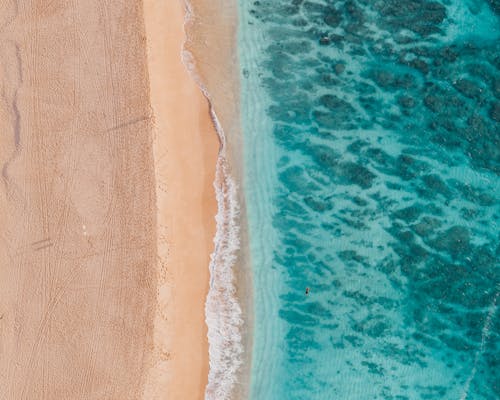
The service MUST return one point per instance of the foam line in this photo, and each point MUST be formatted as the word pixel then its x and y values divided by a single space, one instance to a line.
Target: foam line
pixel 223 313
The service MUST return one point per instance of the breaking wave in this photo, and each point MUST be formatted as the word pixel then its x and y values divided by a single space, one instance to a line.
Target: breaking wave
pixel 223 313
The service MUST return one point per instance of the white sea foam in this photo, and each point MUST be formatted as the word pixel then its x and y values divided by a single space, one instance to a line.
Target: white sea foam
pixel 223 313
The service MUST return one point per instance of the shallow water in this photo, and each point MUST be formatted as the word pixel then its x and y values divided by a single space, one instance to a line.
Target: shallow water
pixel 372 159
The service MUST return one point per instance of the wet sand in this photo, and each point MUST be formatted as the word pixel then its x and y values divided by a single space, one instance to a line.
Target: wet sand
pixel 212 39
pixel 185 149
pixel 212 32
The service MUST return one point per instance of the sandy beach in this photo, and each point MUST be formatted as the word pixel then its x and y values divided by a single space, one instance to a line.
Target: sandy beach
pixel 106 203
pixel 77 204
pixel 212 39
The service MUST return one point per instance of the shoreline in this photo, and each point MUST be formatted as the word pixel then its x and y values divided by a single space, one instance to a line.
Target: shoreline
pixel 185 151
pixel 212 36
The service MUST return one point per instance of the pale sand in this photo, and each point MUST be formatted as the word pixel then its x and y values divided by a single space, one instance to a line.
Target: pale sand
pixel 185 151
pixel 77 206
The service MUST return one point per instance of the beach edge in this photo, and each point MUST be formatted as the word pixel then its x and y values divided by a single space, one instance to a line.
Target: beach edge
pixel 211 54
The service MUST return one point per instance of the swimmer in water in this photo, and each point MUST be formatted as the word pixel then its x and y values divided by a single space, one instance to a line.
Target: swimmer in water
pixel 307 290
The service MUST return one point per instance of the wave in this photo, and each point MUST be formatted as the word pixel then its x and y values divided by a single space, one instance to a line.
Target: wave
pixel 223 314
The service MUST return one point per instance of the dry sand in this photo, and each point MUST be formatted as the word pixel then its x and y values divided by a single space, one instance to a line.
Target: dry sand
pixel 77 206
pixel 102 285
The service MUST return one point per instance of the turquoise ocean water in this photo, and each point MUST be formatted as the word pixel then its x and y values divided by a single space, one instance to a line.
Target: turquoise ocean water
pixel 372 161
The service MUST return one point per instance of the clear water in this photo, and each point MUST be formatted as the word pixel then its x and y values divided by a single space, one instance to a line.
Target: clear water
pixel 372 159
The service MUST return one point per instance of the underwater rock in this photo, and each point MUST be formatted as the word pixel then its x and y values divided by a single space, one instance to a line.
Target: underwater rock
pixel 455 241
pixel 420 16
pixel 408 214
pixel 295 180
pixel 338 118
pixel 426 226
pixel 448 54
pixel 494 112
pixel 334 103
pixel 481 71
pixel 420 65
pixel 436 185
pixel 468 88
pixel 356 174
pixel 406 101
pixel 408 167
pixel 383 79
pixel 332 17
pixel 495 88
pixel 339 68
pixel 318 204
pixel 374 368
pixel 433 103
pixel 478 126
pixel 324 156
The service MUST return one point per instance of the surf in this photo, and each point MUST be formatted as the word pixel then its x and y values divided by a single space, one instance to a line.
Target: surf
pixel 223 313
